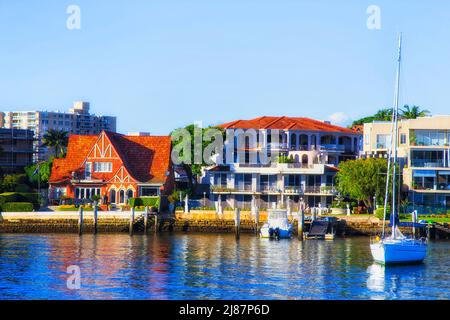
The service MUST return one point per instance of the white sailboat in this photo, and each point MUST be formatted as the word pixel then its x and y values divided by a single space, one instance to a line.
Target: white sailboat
pixel 396 248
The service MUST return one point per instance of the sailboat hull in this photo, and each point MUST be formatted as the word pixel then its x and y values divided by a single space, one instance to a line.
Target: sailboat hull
pixel 405 251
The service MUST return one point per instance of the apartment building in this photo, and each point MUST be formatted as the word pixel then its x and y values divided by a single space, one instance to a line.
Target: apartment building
pixel 303 158
pixel 16 149
pixel 77 121
pixel 424 151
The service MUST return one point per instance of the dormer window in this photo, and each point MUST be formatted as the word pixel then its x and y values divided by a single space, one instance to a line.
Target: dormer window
pixel 103 166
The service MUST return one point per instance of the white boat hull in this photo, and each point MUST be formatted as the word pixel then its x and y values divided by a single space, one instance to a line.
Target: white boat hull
pixel 283 233
pixel 399 251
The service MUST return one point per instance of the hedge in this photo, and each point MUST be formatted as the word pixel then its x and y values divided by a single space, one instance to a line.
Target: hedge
pixel 17 207
pixel 144 202
pixel 20 197
pixel 379 213
pixel 71 207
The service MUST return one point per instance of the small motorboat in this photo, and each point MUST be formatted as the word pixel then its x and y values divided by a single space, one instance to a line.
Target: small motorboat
pixel 277 226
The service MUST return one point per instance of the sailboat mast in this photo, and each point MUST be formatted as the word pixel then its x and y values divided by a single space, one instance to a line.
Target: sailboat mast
pixel 395 137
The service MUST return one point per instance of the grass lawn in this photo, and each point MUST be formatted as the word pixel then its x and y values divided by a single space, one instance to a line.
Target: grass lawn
pixel 429 219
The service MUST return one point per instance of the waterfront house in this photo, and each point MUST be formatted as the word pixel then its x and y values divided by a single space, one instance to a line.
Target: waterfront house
pixel 115 165
pixel 307 153
pixel 424 151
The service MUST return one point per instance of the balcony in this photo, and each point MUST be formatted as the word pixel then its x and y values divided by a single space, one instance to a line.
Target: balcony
pixel 427 163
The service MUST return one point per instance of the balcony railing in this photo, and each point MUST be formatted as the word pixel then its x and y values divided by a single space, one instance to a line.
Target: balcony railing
pixel 427 163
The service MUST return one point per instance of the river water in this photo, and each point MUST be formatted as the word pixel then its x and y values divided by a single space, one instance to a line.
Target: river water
pixel 211 266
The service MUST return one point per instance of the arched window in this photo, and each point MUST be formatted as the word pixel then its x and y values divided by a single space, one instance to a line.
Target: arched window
pixel 112 196
pixel 129 194
pixel 293 141
pixel 314 142
pixel 304 160
pixel 303 141
pixel 122 196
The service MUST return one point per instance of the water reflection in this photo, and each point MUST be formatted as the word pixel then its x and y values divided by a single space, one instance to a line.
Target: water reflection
pixel 196 266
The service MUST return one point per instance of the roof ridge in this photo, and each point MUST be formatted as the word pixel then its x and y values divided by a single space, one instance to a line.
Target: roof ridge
pixel 273 121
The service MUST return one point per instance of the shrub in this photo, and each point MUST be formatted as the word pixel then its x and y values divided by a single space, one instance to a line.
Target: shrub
pixel 144 202
pixel 20 197
pixel 380 213
pixel 66 207
pixel 17 207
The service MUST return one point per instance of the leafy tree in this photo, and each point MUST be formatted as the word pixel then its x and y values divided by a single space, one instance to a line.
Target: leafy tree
pixel 39 176
pixel 381 115
pixel 362 179
pixel 191 168
pixel 413 112
pixel 11 182
pixel 56 139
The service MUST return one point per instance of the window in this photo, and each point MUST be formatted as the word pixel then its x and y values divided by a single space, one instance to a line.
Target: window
pixel 103 166
pixel 403 138
pixel 149 191
pixel 383 141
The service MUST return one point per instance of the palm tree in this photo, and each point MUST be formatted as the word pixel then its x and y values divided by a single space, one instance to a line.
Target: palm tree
pixel 413 112
pixel 383 115
pixel 56 139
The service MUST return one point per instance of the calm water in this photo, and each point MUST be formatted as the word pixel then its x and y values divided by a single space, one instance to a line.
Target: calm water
pixel 198 266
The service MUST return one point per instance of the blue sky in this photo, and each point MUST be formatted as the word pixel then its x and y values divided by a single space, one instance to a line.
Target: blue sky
pixel 158 65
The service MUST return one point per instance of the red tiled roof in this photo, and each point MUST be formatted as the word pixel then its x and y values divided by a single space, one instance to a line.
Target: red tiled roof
pixel 146 158
pixel 77 150
pixel 285 123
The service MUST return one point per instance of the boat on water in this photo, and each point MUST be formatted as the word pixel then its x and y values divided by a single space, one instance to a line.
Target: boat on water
pixel 277 225
pixel 396 248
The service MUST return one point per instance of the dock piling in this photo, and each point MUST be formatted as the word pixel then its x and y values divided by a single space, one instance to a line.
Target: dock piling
pixel 80 222
pixel 95 219
pixel 156 222
pixel 131 221
pixel 300 224
pixel 257 221
pixel 237 222
pixel 145 220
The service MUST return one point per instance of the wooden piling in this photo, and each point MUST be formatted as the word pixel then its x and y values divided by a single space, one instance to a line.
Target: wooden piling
pixel 156 222
pixel 131 221
pixel 80 222
pixel 300 224
pixel 237 222
pixel 95 219
pixel 257 221
pixel 145 220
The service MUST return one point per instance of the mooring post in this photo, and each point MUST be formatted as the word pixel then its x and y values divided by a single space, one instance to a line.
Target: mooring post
pixel 95 219
pixel 156 222
pixel 237 222
pixel 256 219
pixel 80 222
pixel 145 219
pixel 131 221
pixel 300 223
pixel 414 221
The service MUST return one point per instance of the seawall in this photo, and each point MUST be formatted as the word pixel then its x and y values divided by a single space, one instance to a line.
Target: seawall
pixel 195 221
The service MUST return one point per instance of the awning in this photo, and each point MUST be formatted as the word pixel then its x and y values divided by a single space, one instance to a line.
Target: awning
pixel 444 173
pixel 424 173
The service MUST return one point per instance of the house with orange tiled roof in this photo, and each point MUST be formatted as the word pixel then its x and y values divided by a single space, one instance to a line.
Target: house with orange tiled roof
pixel 112 164
pixel 304 155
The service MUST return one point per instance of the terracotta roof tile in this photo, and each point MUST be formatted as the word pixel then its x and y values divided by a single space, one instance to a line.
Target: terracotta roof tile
pixel 147 158
pixel 285 123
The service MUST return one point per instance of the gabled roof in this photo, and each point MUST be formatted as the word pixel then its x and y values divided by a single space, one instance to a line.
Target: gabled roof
pixel 286 123
pixel 146 158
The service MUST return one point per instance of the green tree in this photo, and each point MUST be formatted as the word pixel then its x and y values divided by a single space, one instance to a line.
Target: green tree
pixel 381 115
pixel 11 182
pixel 41 175
pixel 362 179
pixel 56 139
pixel 191 168
pixel 413 112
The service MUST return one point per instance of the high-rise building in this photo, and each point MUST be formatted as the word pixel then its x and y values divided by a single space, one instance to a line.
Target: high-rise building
pixel 16 149
pixel 424 154
pixel 77 121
